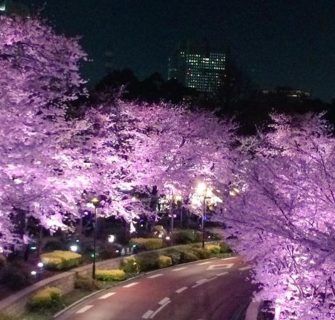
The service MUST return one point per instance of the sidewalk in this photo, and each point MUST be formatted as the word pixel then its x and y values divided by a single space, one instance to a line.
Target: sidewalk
pixel 252 311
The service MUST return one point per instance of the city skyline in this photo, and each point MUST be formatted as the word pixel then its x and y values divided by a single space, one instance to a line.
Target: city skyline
pixel 274 43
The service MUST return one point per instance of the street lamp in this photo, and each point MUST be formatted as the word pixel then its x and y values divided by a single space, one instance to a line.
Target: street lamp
pixel 95 201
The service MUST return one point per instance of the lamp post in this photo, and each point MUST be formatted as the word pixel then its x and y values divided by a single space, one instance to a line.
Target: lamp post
pixel 203 191
pixel 95 201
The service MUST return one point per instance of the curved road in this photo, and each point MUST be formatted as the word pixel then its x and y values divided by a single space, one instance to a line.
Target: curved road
pixel 203 290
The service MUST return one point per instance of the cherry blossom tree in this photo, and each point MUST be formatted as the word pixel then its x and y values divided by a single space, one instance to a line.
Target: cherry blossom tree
pixel 181 147
pixel 282 217
pixel 39 75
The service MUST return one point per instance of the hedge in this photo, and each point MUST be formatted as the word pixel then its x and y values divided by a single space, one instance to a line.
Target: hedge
pixel 86 283
pixel 110 275
pixel 213 248
pixel 173 253
pixel 185 236
pixel 164 261
pixel 147 243
pixel 60 260
pixel 147 261
pixel 129 265
pixel 46 298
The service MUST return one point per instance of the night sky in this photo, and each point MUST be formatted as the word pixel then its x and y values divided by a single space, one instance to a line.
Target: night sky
pixel 275 42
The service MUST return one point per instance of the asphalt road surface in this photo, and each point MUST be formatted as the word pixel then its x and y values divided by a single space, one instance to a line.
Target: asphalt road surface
pixel 203 290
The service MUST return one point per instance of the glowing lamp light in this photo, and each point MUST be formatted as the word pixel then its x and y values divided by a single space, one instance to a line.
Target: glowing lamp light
pixel 40 265
pixel 74 248
pixel 167 238
pixel 201 188
pixel 3 7
pixel 95 201
pixel 111 238
pixel 33 273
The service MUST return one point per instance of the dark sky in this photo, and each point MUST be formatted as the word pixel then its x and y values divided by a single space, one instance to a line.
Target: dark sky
pixel 276 42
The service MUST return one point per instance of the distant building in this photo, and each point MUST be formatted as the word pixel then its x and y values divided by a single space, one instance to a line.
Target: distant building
pixel 197 67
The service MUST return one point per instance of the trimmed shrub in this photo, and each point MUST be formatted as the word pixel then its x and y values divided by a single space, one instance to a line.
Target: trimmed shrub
pixel 110 275
pixel 129 265
pixel 147 243
pixel 164 261
pixel 147 261
pixel 46 298
pixel 187 256
pixel 213 248
pixel 173 253
pixel 60 260
pixel 86 283
pixel 201 253
pixel 14 277
pixel 185 236
pixel 224 248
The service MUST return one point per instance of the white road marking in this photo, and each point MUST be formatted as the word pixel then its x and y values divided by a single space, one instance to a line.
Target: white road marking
pixel 164 301
pixel 155 276
pixel 231 258
pixel 245 268
pixel 181 290
pixel 178 269
pixel 107 295
pixel 84 309
pixel 203 263
pixel 221 274
pixel 220 266
pixel 200 282
pixel 159 309
pixel 130 285
pixel 147 314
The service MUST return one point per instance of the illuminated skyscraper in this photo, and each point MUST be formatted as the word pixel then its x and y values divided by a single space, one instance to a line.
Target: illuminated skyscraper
pixel 197 67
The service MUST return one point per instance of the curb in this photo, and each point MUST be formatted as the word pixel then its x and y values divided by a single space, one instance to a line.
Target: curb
pixel 141 275
pixel 253 309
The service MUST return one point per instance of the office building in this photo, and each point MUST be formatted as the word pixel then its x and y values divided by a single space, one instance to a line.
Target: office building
pixel 197 67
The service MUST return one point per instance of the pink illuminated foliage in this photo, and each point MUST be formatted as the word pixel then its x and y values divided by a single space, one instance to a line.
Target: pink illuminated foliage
pixel 39 74
pixel 283 216
pixel 181 148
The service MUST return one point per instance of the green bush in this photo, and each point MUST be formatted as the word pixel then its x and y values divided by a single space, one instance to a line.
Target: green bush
pixel 129 265
pixel 200 253
pixel 147 261
pixel 60 260
pixel 147 243
pixel 187 256
pixel 224 248
pixel 213 248
pixel 14 278
pixel 185 236
pixel 46 298
pixel 173 253
pixel 86 283
pixel 164 261
pixel 110 275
